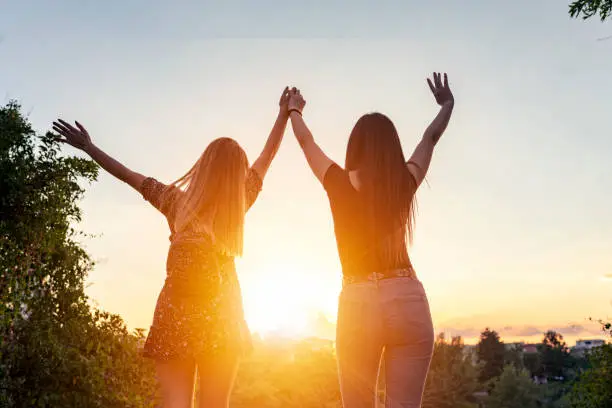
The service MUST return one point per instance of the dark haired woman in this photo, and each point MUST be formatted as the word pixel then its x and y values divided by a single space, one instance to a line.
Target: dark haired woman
pixel 383 309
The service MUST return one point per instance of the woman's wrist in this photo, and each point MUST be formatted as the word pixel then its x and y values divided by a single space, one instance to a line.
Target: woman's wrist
pixel 283 113
pixel 88 148
pixel 295 111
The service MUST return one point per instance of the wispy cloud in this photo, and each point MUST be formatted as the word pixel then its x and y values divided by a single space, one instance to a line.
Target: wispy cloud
pixel 570 330
pixel 527 331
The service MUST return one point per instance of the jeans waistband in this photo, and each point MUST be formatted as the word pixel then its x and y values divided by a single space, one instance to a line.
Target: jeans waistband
pixel 408 273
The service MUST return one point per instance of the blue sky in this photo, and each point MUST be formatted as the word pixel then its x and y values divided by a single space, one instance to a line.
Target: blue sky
pixel 514 227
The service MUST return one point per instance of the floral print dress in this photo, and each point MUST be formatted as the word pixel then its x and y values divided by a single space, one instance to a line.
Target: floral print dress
pixel 199 311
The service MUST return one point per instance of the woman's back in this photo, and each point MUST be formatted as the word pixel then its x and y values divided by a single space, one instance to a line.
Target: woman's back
pixel 201 293
pixel 366 242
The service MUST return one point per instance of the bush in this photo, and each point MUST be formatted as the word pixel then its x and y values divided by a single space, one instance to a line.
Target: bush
pixel 453 378
pixel 514 389
pixel 593 388
pixel 55 350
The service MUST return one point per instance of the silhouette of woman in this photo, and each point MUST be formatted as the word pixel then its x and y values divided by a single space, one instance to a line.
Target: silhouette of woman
pixel 383 310
pixel 198 321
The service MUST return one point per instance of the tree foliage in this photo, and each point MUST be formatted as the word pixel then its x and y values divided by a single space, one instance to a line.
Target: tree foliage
pixel 491 353
pixel 515 356
pixel 452 378
pixel 55 350
pixel 589 8
pixel 556 361
pixel 593 388
pixel 533 363
pixel 514 389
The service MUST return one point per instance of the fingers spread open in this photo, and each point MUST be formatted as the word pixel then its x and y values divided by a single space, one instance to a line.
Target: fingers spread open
pixel 81 127
pixel 68 126
pixel 437 80
pixel 60 129
pixel 431 86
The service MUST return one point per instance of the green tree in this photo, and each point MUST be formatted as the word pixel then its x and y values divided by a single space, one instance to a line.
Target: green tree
pixel 514 389
pixel 533 363
pixel 555 395
pixel 557 363
pixel 514 356
pixel 593 389
pixel 55 351
pixel 453 377
pixel 491 354
pixel 589 8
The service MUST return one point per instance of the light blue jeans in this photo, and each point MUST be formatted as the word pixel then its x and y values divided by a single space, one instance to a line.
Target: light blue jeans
pixel 388 318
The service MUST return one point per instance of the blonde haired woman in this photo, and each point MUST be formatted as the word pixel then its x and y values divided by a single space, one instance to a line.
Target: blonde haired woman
pixel 199 320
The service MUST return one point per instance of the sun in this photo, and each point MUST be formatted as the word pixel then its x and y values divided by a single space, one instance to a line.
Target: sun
pixel 284 300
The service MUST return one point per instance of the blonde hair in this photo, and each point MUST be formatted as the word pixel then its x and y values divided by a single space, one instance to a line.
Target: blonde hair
pixel 213 198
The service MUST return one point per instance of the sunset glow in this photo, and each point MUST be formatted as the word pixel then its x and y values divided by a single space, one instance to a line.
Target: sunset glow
pixel 504 229
pixel 200 204
pixel 284 300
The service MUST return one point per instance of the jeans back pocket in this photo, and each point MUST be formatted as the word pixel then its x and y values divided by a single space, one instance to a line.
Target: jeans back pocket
pixel 407 319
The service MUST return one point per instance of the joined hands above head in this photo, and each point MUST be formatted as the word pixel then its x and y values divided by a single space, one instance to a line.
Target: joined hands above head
pixel 296 101
pixel 291 104
pixel 262 164
pixel 317 159
pixel 283 102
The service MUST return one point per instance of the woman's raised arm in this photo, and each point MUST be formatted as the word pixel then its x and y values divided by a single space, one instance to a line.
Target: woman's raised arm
pixel 79 138
pixel 317 159
pixel 264 160
pixel 421 157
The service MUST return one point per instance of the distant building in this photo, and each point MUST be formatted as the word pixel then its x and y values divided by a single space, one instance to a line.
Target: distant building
pixel 582 346
pixel 470 351
pixel 589 344
pixel 519 345
pixel 530 348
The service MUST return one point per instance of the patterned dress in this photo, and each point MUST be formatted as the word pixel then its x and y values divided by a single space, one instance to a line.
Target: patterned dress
pixel 199 311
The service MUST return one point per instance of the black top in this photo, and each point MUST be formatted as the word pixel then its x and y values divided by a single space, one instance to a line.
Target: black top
pixel 358 247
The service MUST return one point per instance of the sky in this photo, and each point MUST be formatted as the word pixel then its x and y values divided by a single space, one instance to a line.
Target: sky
pixel 514 229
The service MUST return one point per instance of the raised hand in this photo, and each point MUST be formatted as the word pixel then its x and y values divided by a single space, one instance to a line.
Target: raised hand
pixel 440 89
pixel 77 137
pixel 262 163
pixel 296 100
pixel 283 102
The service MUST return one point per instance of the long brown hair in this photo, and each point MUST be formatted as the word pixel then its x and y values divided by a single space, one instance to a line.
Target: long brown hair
pixel 214 195
pixel 375 150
